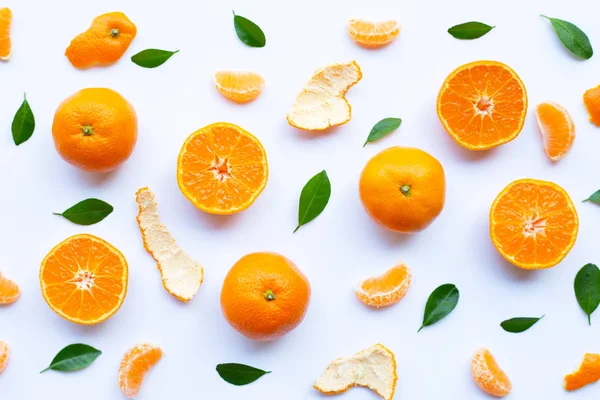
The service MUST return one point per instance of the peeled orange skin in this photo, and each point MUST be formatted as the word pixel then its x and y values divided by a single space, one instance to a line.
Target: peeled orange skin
pixel 533 224
pixel 588 372
pixel 385 289
pixel 95 129
pixel 9 291
pixel 403 189
pixel 5 42
pixel 482 105
pixel 373 34
pixel 105 41
pixel 264 296
pixel 135 365
pixel 591 99
pixel 556 127
pixel 239 86
pixel 488 375
pixel 4 356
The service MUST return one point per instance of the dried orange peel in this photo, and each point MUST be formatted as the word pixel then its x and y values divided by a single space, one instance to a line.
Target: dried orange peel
pixel 373 34
pixel 386 289
pixel 5 42
pixel 488 375
pixel 4 356
pixel 181 275
pixel 239 86
pixel 588 372
pixel 373 368
pixel 9 291
pixel 135 365
pixel 322 103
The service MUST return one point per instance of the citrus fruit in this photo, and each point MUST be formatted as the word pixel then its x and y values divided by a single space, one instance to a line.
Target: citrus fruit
pixel 482 105
pixel 4 356
pixel 557 129
pixel 588 372
pixel 386 289
pixel 373 368
pixel 403 189
pixel 84 279
pixel 591 99
pixel 373 34
pixel 9 291
pixel 533 223
pixel 135 365
pixel 222 168
pixel 181 276
pixel 488 375
pixel 5 43
pixel 105 41
pixel 264 296
pixel 322 103
pixel 95 129
pixel 239 86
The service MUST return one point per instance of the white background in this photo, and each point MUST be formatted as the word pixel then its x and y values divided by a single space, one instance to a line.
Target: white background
pixel 339 247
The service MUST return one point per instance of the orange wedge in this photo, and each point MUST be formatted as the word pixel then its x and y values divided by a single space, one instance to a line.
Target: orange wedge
pixel 239 86
pixel 5 43
pixel 9 291
pixel 488 375
pixel 591 99
pixel 4 356
pixel 373 34
pixel 588 372
pixel 557 129
pixel 135 365
pixel 386 289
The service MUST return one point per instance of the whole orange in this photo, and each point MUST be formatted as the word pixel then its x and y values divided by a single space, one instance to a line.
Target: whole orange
pixel 95 129
pixel 264 296
pixel 403 189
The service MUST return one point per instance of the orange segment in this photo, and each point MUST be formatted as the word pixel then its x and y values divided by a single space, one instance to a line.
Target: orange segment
pixel 222 168
pixel 373 34
pixel 84 279
pixel 9 291
pixel 488 375
pixel 533 224
pixel 4 356
pixel 588 372
pixel 239 86
pixel 482 105
pixel 557 129
pixel 591 99
pixel 386 289
pixel 5 43
pixel 136 363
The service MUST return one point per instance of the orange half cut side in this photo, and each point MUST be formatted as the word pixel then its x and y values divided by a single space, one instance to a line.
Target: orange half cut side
pixel 5 42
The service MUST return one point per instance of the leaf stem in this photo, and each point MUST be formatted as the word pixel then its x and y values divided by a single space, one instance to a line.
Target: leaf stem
pixel 55 213
pixel 590 319
pixel 298 227
pixel 422 326
pixel 44 370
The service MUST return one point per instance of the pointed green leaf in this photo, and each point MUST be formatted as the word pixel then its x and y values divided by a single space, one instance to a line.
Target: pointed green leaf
pixel 152 58
pixel 314 198
pixel 594 198
pixel 74 357
pixel 248 32
pixel 87 212
pixel 239 374
pixel 470 30
pixel 383 128
pixel 441 302
pixel 572 37
pixel 587 289
pixel 23 123
pixel 519 324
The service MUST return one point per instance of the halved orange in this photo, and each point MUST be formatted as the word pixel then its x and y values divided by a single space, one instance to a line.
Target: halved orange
pixel 533 223
pixel 386 289
pixel 9 291
pixel 4 356
pixel 557 129
pixel 588 372
pixel 5 43
pixel 482 104
pixel 84 279
pixel 239 86
pixel 373 33
pixel 222 168
pixel 591 99
pixel 135 365
pixel 488 375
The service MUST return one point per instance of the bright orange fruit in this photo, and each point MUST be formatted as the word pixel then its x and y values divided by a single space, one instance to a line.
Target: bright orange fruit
pixel 5 43
pixel 488 375
pixel 9 291
pixel 588 372
pixel 222 168
pixel 482 105
pixel 84 279
pixel 533 223
pixel 4 356
pixel 386 289
pixel 239 86
pixel 591 99
pixel 373 34
pixel 135 365
pixel 557 129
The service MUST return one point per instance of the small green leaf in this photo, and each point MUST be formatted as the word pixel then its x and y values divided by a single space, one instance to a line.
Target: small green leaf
pixel 239 374
pixel 248 32
pixel 441 302
pixel 87 212
pixel 572 37
pixel 594 198
pixel 470 30
pixel 519 324
pixel 587 289
pixel 23 123
pixel 383 128
pixel 152 58
pixel 314 198
pixel 73 358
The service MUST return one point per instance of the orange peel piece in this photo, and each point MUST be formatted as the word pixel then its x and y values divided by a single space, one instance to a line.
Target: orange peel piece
pixel 4 356
pixel 239 86
pixel 373 34
pixel 556 127
pixel 9 291
pixel 488 375
pixel 373 368
pixel 385 289
pixel 135 365
pixel 5 42
pixel 588 372
pixel 322 103
pixel 181 275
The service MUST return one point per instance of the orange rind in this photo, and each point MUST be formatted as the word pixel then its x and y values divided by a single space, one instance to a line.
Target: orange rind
pixel 135 365
pixel 588 372
pixel 557 129
pixel 9 291
pixel 4 356
pixel 488 375
pixel 5 42
pixel 373 34
pixel 386 289
pixel 591 99
pixel 239 86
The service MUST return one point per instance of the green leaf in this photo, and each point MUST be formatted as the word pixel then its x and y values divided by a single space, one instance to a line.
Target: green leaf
pixel 587 289
pixel 73 358
pixel 383 128
pixel 248 31
pixel 314 198
pixel 594 198
pixel 239 374
pixel 519 324
pixel 470 30
pixel 572 37
pixel 87 212
pixel 23 123
pixel 152 58
pixel 441 302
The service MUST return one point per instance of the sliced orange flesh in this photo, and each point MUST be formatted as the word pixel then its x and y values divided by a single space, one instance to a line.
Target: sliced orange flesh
pixel 5 43
pixel 533 223
pixel 386 289
pixel 84 279
pixel 588 372
pixel 4 356
pixel 557 129
pixel 373 34
pixel 135 365
pixel 9 291
pixel 482 105
pixel 591 99
pixel 488 375
pixel 222 168
pixel 239 86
